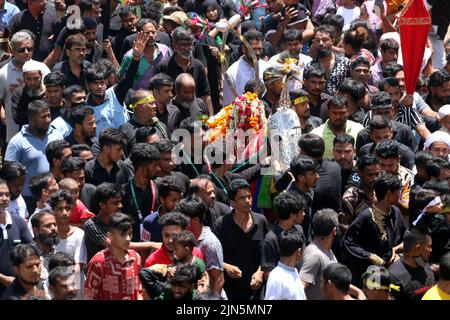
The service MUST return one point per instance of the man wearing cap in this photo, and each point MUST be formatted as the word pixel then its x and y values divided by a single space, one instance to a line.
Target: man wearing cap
pixel 33 89
pixel 443 118
pixel 11 76
pixel 439 144
pixel 273 81
pixel 174 20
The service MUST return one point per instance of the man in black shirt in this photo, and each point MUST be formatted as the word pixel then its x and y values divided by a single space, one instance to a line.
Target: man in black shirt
pixel 290 209
pixel 73 167
pixel 38 20
pixel 140 191
pixel 166 164
pixel 241 233
pixel 380 129
pixel 129 21
pixel 162 86
pixel 27 264
pixel 182 61
pixel 314 80
pixel 204 188
pixel 55 152
pixel 144 106
pixel 381 104
pixel 185 99
pixel 108 166
pixel 32 90
pixel 54 83
pixel 75 64
pixel 412 272
pixel 344 154
pixel 82 120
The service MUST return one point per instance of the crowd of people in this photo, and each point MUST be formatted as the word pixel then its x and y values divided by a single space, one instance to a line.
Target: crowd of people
pixel 114 186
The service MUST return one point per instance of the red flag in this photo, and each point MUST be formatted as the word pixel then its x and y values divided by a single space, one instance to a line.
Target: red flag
pixel 414 23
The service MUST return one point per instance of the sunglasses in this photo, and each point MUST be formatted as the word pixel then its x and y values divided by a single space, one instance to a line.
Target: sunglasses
pixel 22 50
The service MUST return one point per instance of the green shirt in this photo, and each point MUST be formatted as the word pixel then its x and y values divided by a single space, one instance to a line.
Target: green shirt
pixel 352 128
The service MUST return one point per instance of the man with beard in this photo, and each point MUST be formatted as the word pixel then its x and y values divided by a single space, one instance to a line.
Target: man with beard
pixel 314 80
pixel 45 237
pixel 344 154
pixel 108 166
pixel 162 87
pixel 75 64
pixel 243 70
pixel 14 230
pixel 82 120
pixel 439 84
pixel 74 95
pixel 141 197
pixel 62 283
pixel 337 123
pixel 154 53
pixel 11 76
pixel 362 196
pixel 182 61
pixel 128 19
pixel 185 99
pixel 14 174
pixel 27 265
pixel 376 235
pixel 27 145
pixel 203 187
pixel 108 106
pixel 144 106
pixel 335 66
pixel 33 89
pixel 273 82
pixel 412 271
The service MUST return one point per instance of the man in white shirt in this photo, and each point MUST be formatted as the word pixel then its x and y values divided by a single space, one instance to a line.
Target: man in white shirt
pixel 14 173
pixel 243 70
pixel 292 43
pixel 11 76
pixel 284 281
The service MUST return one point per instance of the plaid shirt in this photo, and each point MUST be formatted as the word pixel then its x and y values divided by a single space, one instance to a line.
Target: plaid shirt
pixel 109 279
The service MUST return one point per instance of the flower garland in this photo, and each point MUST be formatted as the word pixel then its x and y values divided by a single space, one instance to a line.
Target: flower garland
pixel 246 113
pixel 248 5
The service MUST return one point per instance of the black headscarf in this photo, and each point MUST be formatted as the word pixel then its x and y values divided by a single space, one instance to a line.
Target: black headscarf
pixel 211 3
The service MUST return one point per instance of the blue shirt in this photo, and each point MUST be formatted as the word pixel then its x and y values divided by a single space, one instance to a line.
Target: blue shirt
pixel 6 13
pixel 62 126
pixel 151 225
pixel 30 151
pixel 110 113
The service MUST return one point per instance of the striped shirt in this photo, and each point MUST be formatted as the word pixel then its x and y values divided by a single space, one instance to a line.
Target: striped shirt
pixel 94 235
pixel 407 116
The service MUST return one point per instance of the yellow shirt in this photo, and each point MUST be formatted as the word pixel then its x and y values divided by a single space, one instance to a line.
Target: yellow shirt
pixel 436 294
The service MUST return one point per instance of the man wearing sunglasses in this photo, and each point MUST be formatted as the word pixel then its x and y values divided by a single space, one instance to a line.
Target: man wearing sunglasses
pixel 11 76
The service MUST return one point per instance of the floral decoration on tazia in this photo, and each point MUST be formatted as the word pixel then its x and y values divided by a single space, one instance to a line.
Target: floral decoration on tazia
pixel 197 24
pixel 246 112
pixel 248 5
